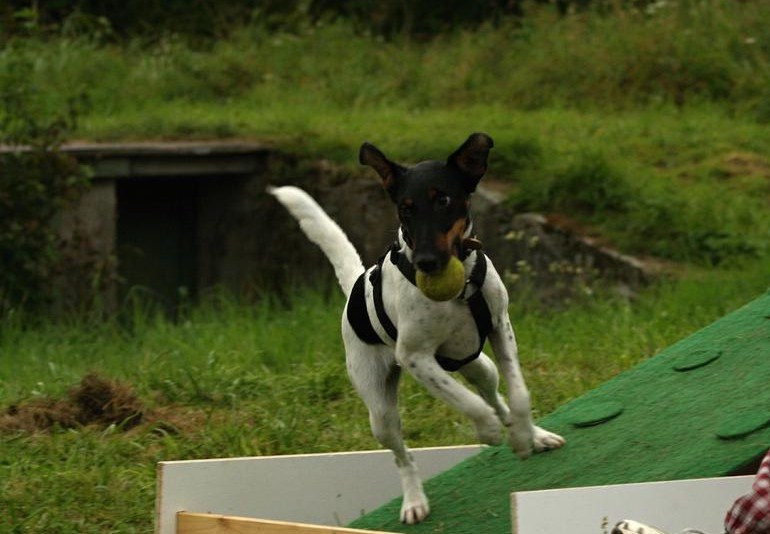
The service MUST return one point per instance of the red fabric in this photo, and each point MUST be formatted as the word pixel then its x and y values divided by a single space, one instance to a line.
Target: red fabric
pixel 750 514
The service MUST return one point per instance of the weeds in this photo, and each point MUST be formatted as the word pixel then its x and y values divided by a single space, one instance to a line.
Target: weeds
pixel 37 181
pixel 687 53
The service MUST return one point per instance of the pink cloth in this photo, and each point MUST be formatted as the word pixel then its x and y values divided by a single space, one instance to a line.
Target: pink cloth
pixel 750 514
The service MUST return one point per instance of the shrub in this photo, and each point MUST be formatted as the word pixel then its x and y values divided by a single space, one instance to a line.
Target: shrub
pixel 588 185
pixel 36 182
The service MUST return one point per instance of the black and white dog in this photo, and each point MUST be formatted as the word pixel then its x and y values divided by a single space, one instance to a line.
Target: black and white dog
pixel 389 324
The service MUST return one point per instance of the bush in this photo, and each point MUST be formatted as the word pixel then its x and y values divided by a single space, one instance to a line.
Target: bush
pixel 643 214
pixel 588 185
pixel 36 182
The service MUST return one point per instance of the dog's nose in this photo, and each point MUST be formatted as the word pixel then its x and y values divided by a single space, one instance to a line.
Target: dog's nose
pixel 426 264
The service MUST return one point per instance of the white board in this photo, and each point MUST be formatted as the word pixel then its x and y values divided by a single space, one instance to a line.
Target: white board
pixel 670 506
pixel 324 489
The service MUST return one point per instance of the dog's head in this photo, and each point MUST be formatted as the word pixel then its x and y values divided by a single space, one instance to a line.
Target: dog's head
pixel 433 198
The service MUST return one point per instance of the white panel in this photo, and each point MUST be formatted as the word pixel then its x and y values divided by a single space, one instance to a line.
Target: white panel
pixel 325 489
pixel 670 506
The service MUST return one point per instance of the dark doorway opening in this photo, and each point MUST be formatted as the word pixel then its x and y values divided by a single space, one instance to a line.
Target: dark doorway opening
pixel 157 238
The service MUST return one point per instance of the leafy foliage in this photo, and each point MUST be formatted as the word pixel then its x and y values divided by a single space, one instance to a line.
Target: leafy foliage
pixel 216 18
pixel 36 181
pixel 586 185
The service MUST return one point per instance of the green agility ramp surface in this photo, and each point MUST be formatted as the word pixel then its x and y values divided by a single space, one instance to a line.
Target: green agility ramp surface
pixel 700 408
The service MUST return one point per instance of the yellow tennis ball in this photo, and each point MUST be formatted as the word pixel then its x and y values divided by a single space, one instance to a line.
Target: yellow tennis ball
pixel 443 285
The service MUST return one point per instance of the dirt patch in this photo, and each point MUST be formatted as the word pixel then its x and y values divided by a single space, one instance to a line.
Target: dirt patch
pixel 94 401
pixel 745 164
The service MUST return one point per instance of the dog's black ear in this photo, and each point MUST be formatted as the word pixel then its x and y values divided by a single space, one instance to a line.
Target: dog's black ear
pixel 389 172
pixel 471 158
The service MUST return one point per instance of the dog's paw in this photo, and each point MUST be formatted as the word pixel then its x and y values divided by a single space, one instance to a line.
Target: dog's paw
pixel 545 440
pixel 522 441
pixel 414 508
pixel 489 431
pixel 632 527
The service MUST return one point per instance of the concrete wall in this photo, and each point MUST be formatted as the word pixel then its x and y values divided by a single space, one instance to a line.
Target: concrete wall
pixel 181 218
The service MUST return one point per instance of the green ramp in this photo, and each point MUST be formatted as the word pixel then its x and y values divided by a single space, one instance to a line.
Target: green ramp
pixel 699 408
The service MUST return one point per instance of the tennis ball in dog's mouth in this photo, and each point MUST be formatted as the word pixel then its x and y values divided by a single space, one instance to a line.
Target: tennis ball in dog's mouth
pixel 445 284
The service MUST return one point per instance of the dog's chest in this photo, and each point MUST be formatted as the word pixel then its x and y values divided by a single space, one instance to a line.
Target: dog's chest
pixel 449 327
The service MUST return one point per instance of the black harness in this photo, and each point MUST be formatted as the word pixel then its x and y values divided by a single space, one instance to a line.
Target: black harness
pixel 358 315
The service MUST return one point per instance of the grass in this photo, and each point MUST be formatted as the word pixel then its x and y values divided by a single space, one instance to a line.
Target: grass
pixel 685 184
pixel 212 389
pixel 683 53
pixel 209 336
pixel 631 121
pixel 649 128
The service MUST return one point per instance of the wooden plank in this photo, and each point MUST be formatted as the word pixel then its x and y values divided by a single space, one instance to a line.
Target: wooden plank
pixel 193 523
pixel 670 506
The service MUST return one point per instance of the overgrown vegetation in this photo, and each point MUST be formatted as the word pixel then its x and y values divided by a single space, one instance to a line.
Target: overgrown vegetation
pixel 212 18
pixel 36 182
pixel 680 53
pixel 646 125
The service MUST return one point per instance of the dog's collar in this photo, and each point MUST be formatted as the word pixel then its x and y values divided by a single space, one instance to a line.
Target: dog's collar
pixel 400 260
pixel 468 244
pixel 476 278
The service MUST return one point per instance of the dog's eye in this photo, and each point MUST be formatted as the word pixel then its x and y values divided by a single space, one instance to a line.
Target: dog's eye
pixel 443 201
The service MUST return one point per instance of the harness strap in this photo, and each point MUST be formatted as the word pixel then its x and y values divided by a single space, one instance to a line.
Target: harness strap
pixel 376 279
pixel 452 365
pixel 358 315
pixel 477 303
pixel 359 319
pixel 403 264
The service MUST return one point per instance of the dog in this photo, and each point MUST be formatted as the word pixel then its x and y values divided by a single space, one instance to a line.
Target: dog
pixel 389 325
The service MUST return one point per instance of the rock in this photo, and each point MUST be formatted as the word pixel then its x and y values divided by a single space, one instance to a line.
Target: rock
pixel 550 254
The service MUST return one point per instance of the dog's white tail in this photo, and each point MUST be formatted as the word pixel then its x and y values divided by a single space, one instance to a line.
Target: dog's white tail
pixel 324 232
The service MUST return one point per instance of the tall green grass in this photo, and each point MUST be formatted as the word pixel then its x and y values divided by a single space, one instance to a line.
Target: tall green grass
pixel 682 53
pixel 208 343
pixel 216 353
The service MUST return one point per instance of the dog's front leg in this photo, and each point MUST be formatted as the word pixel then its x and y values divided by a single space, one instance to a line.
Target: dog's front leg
pixel 524 434
pixel 422 365
pixel 375 376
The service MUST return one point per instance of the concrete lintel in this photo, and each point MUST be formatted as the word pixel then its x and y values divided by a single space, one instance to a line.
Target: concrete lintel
pixel 195 158
pixel 125 160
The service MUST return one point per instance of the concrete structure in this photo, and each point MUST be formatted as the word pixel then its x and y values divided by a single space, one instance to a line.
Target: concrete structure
pixel 173 219
pixel 165 211
pixel 179 218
